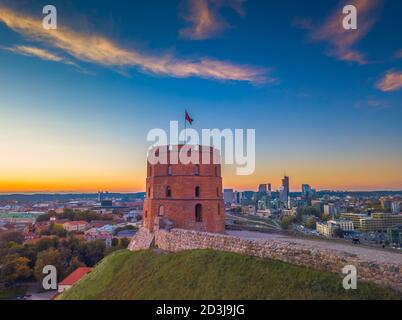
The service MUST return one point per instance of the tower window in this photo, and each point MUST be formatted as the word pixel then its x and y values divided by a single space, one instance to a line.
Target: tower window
pixel 149 192
pixel 168 192
pixel 198 213
pixel 161 211
pixel 169 170
pixel 197 192
pixel 197 170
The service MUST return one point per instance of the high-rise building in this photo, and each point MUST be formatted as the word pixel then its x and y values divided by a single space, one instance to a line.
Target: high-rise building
pixel 330 209
pixel 284 191
pixel 269 186
pixel 262 188
pixel 228 196
pixel 306 191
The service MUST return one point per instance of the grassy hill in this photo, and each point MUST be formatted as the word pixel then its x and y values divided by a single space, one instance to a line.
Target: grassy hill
pixel 207 274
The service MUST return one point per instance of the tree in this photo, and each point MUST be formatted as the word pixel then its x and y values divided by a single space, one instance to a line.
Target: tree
pixel 115 242
pixel 15 268
pixel 286 222
pixel 325 217
pixel 124 242
pixel 55 230
pixel 338 233
pixel 92 252
pixel 52 257
pixel 47 243
pixel 45 217
pixel 12 236
pixel 311 223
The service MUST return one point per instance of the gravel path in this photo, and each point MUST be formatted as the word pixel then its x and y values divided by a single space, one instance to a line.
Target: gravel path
pixel 367 254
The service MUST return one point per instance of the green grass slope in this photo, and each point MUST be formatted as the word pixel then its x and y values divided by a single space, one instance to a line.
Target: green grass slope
pixel 207 274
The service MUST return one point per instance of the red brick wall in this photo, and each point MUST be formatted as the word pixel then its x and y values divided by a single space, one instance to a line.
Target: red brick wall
pixel 180 207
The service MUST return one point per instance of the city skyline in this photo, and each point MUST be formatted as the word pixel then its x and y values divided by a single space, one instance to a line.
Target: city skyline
pixel 75 116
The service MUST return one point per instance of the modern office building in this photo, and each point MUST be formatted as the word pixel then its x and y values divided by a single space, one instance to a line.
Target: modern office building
pixel 306 191
pixel 262 188
pixel 330 209
pixel 394 236
pixel 380 222
pixel 229 196
pixel 375 222
pixel 395 207
pixel 284 192
pixel 269 186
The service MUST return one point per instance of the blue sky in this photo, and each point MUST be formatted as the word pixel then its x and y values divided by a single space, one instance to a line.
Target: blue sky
pixel 326 106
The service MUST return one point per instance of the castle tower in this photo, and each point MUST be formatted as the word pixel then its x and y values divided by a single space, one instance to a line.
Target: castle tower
pixel 188 194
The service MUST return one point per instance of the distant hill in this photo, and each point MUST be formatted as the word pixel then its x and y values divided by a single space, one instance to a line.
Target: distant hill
pixel 208 274
pixel 68 196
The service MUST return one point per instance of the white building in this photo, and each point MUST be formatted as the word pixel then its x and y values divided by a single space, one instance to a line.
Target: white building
pixel 327 229
pixel 344 225
pixel 395 207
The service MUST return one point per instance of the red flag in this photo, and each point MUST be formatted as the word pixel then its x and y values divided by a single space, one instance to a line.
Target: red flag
pixel 188 118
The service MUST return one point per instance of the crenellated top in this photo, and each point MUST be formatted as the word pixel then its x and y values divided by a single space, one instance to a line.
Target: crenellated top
pixel 183 160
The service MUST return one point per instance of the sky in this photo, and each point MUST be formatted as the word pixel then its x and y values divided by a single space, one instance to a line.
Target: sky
pixel 76 103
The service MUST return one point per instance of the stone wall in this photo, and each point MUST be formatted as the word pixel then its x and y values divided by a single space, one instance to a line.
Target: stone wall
pixel 320 259
pixel 143 239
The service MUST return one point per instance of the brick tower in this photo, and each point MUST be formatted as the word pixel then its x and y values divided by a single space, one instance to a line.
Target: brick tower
pixel 189 195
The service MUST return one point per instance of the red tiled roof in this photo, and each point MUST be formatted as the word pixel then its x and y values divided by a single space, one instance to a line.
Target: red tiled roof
pixel 75 223
pixel 75 276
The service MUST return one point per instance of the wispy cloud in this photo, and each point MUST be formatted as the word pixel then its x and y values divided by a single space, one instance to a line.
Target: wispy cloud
pixel 205 20
pixel 103 51
pixel 37 52
pixel 373 103
pixel 392 81
pixel 341 43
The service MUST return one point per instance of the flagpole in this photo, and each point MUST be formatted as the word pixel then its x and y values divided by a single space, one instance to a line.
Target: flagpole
pixel 185 127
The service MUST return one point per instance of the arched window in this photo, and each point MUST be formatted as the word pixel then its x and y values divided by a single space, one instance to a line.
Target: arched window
pixel 198 213
pixel 197 192
pixel 161 211
pixel 149 192
pixel 169 170
pixel 197 170
pixel 146 214
pixel 168 192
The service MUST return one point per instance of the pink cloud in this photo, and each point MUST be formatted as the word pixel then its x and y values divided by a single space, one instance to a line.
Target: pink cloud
pixel 100 50
pixel 204 19
pixel 341 43
pixel 392 81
